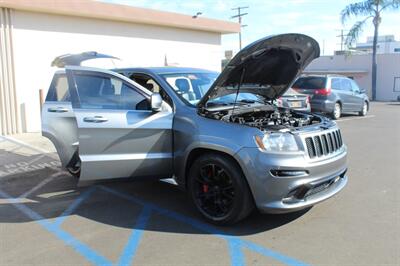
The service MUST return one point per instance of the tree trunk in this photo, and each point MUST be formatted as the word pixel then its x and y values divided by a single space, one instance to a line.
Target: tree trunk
pixel 374 61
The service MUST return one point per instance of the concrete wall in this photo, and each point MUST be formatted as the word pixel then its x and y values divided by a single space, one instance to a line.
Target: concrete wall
pixel 9 111
pixel 38 38
pixel 359 67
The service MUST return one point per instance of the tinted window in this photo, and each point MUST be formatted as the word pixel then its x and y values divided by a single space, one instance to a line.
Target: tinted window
pixel 104 92
pixel 310 83
pixel 354 86
pixel 346 85
pixel 336 84
pixel 149 83
pixel 58 90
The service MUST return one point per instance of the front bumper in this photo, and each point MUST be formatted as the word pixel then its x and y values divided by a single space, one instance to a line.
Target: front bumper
pixel 280 194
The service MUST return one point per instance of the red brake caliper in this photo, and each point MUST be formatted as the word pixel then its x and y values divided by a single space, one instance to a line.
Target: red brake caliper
pixel 205 188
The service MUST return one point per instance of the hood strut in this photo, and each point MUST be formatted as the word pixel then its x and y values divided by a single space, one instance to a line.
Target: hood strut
pixel 238 89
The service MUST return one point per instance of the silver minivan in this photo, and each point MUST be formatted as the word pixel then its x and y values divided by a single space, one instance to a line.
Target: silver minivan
pixel 219 136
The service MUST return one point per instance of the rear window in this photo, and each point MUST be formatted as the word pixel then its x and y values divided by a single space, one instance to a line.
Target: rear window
pixel 310 83
pixel 58 90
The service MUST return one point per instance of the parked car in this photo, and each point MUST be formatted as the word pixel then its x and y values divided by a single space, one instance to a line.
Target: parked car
pixel 294 100
pixel 218 136
pixel 333 94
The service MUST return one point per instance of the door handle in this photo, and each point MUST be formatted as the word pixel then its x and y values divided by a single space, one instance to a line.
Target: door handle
pixel 57 110
pixel 95 119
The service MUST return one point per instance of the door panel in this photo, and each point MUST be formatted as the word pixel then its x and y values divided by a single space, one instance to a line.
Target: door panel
pixel 128 144
pixel 58 120
pixel 349 99
pixel 358 97
pixel 115 138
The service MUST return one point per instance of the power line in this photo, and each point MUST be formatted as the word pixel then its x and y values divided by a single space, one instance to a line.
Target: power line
pixel 239 16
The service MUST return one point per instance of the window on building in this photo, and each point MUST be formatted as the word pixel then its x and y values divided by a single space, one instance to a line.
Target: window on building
pixel 396 86
pixel 397 50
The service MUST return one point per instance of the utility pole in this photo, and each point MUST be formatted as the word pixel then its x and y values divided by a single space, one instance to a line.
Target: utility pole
pixel 342 40
pixel 239 16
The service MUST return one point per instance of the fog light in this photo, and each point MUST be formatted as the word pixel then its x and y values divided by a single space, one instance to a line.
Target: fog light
pixel 288 173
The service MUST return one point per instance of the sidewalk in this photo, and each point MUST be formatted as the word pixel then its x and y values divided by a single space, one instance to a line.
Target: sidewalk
pixel 35 140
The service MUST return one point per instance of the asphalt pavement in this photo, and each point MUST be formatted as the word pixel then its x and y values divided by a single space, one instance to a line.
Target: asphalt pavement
pixel 47 219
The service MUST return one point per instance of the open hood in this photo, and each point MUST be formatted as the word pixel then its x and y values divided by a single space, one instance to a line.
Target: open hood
pixel 266 67
pixel 77 59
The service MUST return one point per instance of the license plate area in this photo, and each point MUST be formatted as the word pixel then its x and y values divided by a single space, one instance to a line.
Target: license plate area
pixel 295 104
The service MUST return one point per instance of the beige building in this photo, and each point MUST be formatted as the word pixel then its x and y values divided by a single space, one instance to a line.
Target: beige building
pixel 32 33
pixel 359 67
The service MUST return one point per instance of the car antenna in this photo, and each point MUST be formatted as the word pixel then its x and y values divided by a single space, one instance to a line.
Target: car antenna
pixel 238 89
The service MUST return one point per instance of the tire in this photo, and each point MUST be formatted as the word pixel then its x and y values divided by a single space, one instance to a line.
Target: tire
pixel 219 190
pixel 337 111
pixel 75 170
pixel 364 109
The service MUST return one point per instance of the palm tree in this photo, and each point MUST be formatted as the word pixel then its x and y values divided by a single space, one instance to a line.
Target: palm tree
pixel 370 9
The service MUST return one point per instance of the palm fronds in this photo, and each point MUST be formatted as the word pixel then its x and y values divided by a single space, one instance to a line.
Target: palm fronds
pixel 361 8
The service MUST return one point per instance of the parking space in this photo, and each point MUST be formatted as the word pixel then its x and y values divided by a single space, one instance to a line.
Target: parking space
pixel 46 218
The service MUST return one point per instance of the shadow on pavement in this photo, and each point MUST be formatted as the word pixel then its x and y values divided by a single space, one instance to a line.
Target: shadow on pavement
pixel 60 191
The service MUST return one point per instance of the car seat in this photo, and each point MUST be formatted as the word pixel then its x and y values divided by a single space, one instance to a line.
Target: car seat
pixel 184 89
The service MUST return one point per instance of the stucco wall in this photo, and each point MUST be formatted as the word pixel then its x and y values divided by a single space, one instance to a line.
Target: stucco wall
pixel 388 69
pixel 38 38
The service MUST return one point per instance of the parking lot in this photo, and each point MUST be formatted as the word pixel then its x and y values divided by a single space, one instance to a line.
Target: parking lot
pixel 46 219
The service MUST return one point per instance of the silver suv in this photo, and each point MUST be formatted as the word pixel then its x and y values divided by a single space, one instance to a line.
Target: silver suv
pixel 218 136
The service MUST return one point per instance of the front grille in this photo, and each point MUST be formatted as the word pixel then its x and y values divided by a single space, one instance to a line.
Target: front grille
pixel 324 144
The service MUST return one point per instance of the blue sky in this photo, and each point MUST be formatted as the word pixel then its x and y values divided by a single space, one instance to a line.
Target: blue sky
pixel 317 18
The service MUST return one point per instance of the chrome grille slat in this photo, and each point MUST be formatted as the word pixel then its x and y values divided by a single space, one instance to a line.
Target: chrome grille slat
pixel 331 142
pixel 310 147
pixel 319 145
pixel 324 145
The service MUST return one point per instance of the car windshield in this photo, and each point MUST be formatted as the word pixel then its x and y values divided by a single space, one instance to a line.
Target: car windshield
pixel 191 87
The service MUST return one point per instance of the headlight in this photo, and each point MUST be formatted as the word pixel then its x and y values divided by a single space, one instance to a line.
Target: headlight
pixel 277 142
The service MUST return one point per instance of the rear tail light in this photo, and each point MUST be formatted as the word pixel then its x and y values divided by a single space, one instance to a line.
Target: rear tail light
pixel 325 91
pixel 308 100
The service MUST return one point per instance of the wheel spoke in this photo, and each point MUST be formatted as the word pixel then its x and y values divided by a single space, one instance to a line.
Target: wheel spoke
pixel 214 190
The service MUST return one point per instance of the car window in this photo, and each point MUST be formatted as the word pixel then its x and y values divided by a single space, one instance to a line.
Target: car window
pixel 149 83
pixel 310 83
pixel 190 87
pixel 106 92
pixel 58 90
pixel 355 86
pixel 346 85
pixel 336 84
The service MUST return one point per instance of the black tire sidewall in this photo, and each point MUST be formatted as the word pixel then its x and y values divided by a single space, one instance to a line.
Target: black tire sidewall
pixel 241 199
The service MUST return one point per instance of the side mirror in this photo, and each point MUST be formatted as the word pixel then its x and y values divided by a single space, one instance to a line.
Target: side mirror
pixel 362 91
pixel 156 102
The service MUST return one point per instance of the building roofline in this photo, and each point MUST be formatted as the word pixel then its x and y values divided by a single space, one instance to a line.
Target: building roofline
pixel 335 71
pixel 122 13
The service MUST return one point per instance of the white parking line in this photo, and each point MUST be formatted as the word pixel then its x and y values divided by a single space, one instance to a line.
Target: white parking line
pixel 355 118
pixel 41 184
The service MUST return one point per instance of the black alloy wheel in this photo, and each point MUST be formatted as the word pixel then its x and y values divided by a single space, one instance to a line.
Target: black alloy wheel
pixel 219 189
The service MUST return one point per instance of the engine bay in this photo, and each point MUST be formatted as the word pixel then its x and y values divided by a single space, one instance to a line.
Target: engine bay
pixel 267 118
